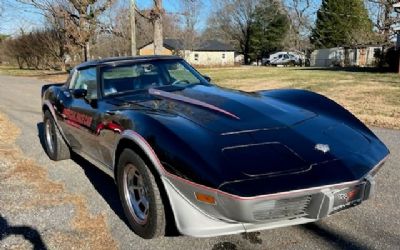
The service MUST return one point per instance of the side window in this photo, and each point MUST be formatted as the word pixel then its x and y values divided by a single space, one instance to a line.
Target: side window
pixel 86 79
pixel 196 57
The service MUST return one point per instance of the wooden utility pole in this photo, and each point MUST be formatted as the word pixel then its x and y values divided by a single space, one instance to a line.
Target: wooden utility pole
pixel 158 27
pixel 133 29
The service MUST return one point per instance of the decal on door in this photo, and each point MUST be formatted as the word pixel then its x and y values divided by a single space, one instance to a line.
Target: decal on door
pixel 77 117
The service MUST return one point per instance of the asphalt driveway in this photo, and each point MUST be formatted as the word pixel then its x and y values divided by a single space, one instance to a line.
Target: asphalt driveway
pixel 373 225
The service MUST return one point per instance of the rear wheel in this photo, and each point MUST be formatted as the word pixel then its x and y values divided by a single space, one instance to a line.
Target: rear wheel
pixel 56 147
pixel 140 196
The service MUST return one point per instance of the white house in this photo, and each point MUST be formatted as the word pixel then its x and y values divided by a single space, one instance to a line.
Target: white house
pixel 360 56
pixel 206 53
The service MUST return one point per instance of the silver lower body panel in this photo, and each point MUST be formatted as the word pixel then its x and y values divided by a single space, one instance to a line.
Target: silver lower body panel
pixel 194 221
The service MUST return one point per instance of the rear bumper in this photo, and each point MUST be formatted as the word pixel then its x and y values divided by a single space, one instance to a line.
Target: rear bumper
pixel 231 216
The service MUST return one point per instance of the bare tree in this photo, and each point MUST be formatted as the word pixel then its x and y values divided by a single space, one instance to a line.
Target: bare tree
pixel 384 18
pixel 234 18
pixel 114 38
pixel 80 18
pixel 301 13
pixel 190 11
pixel 39 49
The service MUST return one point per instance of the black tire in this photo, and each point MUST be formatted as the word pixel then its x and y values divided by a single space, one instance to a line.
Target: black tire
pixel 55 145
pixel 152 224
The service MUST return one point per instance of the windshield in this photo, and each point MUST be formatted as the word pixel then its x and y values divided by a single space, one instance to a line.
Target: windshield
pixel 150 74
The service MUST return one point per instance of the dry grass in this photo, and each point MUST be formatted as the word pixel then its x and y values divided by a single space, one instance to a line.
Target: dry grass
pixel 86 231
pixel 373 97
pixel 47 75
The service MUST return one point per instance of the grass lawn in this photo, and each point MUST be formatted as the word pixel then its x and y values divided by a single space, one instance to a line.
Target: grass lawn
pixel 372 97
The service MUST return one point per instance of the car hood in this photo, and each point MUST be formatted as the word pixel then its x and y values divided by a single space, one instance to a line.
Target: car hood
pixel 224 111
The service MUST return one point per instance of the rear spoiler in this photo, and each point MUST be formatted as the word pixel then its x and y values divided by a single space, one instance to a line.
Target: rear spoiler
pixel 47 86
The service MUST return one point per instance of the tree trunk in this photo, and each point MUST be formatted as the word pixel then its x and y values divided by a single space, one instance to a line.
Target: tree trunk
pixel 346 57
pixel 398 61
pixel 158 28
pixel 246 50
pixel 20 63
pixel 86 52
pixel 387 23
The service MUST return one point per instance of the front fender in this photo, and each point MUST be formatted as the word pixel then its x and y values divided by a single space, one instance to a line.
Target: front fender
pixel 174 145
pixel 318 104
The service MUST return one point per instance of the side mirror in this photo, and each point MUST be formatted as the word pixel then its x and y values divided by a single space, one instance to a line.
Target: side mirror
pixel 79 93
pixel 207 78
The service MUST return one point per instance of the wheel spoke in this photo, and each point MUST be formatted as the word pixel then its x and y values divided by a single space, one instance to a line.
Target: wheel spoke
pixel 136 194
pixel 132 189
pixel 144 202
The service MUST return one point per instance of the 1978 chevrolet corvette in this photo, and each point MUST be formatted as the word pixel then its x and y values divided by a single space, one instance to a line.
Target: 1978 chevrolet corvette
pixel 218 161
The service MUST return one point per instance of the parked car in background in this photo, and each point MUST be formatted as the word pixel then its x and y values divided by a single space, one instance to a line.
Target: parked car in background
pixel 284 58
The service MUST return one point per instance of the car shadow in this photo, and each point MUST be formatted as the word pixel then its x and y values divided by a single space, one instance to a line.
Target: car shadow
pixel 29 233
pixel 341 241
pixel 40 134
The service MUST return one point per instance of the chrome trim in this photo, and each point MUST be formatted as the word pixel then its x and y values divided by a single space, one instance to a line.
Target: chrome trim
pixel 378 166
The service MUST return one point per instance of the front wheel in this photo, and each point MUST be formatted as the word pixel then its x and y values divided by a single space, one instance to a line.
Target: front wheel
pixel 140 196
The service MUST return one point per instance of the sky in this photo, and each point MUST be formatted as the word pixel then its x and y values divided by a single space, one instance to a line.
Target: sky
pixel 15 16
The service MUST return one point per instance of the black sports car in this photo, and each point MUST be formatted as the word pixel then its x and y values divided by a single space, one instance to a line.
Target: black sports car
pixel 218 161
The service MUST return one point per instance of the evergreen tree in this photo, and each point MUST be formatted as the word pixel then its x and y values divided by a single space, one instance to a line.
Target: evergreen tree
pixel 269 28
pixel 342 23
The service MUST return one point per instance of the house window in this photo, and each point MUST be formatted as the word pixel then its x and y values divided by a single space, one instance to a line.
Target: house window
pixel 223 56
pixel 196 57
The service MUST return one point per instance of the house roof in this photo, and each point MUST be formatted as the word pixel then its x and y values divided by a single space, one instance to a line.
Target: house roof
pixel 206 45
pixel 213 45
pixel 174 44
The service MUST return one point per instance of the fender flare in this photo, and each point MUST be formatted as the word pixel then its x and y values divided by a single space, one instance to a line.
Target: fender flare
pixel 139 141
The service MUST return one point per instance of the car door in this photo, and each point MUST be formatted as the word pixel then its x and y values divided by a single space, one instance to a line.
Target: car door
pixel 286 59
pixel 80 112
pixel 279 60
